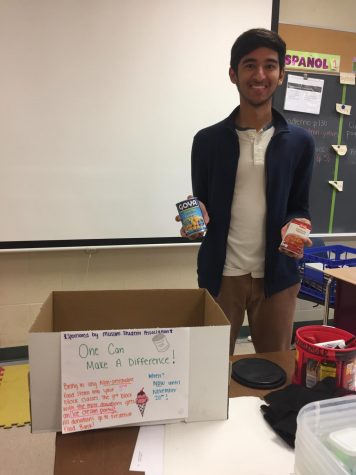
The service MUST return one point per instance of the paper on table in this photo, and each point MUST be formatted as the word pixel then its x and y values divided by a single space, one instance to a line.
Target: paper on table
pixel 315 265
pixel 244 444
pixel 149 450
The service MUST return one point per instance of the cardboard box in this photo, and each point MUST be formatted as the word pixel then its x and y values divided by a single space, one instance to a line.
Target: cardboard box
pixel 129 309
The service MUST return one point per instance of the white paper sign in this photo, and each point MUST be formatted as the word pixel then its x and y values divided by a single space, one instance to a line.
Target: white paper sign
pixel 340 149
pixel 347 78
pixel 343 109
pixel 148 455
pixel 117 377
pixel 338 185
pixel 303 94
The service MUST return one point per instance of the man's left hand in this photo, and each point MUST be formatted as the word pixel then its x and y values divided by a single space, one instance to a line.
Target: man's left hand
pixel 307 241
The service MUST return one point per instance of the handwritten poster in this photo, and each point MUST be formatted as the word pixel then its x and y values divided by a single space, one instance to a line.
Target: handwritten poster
pixel 117 377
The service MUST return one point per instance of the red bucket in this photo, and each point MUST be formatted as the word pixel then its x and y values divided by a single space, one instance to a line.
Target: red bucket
pixel 314 363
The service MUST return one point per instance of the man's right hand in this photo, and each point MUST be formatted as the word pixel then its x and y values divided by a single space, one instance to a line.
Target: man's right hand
pixel 206 218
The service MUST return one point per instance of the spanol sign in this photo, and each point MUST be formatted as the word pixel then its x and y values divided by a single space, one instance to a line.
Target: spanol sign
pixel 312 61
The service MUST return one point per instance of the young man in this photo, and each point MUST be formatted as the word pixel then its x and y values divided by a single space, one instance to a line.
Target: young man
pixel 252 173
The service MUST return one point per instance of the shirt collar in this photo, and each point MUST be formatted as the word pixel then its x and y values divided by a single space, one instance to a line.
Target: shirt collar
pixel 279 122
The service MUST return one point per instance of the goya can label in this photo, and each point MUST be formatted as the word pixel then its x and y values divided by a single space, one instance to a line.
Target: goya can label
pixel 191 216
pixel 293 240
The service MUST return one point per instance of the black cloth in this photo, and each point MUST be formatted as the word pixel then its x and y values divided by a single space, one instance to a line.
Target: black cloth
pixel 285 404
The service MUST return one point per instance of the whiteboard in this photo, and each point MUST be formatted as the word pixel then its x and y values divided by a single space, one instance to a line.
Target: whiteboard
pixel 99 103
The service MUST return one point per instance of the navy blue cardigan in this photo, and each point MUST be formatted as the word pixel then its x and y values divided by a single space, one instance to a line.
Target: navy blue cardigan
pixel 289 163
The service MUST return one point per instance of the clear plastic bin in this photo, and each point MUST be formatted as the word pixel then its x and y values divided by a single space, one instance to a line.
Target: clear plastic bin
pixel 342 443
pixel 318 426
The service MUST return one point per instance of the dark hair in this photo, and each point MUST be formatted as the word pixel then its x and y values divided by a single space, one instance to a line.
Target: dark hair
pixel 257 38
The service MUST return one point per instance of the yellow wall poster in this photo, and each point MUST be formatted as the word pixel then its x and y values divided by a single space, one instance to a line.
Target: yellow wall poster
pixel 312 61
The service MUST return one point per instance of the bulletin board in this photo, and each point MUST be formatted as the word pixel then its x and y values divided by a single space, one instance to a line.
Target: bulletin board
pixel 321 40
pixel 333 212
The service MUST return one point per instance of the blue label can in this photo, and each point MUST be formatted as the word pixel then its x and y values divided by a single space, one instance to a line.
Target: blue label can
pixel 191 216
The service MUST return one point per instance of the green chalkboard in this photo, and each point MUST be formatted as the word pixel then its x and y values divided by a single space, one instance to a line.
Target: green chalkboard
pixel 333 212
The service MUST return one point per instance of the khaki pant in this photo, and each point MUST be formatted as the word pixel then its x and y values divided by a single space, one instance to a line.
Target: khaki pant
pixel 270 319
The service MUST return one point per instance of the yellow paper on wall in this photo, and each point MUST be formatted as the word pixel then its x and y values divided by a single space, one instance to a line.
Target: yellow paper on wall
pixel 14 396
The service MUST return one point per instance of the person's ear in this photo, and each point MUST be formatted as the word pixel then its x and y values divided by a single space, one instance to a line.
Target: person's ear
pixel 281 77
pixel 233 76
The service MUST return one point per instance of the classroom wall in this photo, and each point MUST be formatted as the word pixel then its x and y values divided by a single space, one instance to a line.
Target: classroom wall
pixel 26 278
pixel 330 14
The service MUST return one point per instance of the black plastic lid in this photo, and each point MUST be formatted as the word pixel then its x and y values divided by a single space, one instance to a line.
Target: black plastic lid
pixel 258 373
